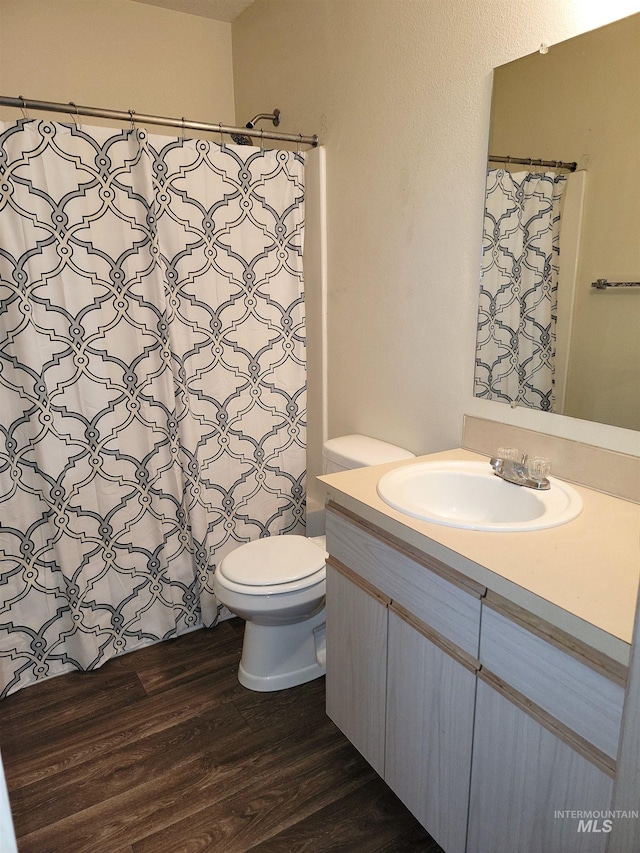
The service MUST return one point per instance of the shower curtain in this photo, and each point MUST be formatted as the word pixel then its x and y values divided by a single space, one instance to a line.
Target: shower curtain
pixel 152 382
pixel 515 349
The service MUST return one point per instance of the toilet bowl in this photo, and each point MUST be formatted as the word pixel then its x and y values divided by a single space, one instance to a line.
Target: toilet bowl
pixel 277 585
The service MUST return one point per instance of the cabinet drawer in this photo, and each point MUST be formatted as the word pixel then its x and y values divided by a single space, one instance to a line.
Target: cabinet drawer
pixel 448 608
pixel 586 702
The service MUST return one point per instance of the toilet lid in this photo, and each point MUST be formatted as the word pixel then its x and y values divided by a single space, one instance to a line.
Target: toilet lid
pixel 274 560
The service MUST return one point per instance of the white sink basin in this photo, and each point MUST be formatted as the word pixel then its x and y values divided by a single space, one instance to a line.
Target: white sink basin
pixel 470 495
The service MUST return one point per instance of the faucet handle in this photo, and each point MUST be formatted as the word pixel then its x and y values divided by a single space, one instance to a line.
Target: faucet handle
pixel 509 454
pixel 539 468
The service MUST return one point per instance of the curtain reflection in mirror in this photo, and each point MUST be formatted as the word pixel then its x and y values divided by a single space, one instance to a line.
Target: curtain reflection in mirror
pixel 515 351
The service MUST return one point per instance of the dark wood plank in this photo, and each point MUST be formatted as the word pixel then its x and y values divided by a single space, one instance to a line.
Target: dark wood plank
pixel 28 762
pixel 23 723
pixel 204 652
pixel 413 840
pixel 369 819
pixel 300 706
pixel 121 769
pixel 163 751
pixel 166 810
pixel 312 774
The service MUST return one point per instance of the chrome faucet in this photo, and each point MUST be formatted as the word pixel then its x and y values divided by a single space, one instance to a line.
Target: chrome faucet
pixel 518 472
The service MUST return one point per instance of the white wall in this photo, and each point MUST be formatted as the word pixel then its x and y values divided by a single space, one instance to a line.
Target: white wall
pixel 399 91
pixel 116 54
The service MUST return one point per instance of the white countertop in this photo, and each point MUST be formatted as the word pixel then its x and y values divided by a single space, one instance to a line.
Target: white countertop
pixel 581 577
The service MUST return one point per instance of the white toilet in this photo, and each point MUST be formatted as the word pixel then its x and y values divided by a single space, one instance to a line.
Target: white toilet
pixel 277 585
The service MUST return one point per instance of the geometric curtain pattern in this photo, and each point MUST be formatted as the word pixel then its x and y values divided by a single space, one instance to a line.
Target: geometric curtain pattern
pixel 152 383
pixel 515 351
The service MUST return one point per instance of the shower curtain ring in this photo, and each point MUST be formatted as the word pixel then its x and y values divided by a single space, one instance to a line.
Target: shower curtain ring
pixel 183 128
pixel 131 115
pixel 24 107
pixel 221 138
pixel 261 139
pixel 76 117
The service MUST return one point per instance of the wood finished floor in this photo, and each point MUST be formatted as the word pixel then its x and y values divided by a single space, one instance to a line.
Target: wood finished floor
pixel 163 751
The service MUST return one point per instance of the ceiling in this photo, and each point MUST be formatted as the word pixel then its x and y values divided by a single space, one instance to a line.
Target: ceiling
pixel 217 10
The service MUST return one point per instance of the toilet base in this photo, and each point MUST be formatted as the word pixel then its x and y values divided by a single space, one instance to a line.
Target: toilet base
pixel 275 657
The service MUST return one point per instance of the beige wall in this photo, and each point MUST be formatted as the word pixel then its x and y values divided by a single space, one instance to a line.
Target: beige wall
pixel 580 102
pixel 116 54
pixel 399 91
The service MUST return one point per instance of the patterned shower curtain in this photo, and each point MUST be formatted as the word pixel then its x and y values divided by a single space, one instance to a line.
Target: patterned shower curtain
pixel 152 383
pixel 515 351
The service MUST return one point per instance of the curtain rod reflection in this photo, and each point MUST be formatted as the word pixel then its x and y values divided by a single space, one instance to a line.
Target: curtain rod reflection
pixel 528 161
pixel 603 284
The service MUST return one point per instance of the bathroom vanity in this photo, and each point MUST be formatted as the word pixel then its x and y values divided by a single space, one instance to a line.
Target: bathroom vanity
pixel 483 674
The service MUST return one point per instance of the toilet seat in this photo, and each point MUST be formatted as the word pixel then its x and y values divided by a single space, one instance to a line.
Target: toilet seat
pixel 273 565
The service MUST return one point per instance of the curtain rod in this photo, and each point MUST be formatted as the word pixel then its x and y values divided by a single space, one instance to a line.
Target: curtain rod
pixel 132 116
pixel 527 161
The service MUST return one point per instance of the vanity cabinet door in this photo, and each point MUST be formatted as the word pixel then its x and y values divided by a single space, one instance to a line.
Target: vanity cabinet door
pixel 524 782
pixel 357 664
pixel 430 709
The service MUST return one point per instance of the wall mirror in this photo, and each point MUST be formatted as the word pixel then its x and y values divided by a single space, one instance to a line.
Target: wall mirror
pixel 575 102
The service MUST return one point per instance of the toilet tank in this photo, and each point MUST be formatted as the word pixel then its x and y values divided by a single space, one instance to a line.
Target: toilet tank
pixel 358 451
